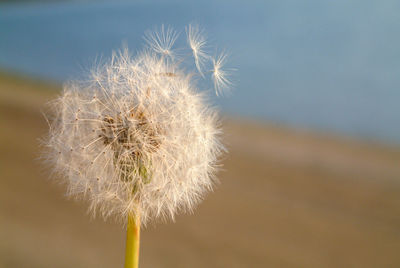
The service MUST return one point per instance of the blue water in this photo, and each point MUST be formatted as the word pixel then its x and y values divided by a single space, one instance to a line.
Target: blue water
pixel 326 65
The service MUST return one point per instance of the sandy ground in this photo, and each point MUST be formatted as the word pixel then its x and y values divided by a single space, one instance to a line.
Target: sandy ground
pixel 287 199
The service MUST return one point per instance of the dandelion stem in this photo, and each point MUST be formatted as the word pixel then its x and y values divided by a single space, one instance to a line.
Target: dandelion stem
pixel 132 242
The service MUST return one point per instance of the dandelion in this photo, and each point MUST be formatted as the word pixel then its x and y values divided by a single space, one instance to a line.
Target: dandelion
pixel 137 138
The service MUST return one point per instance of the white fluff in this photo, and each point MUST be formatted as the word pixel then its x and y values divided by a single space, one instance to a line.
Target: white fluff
pixel 197 43
pixel 138 136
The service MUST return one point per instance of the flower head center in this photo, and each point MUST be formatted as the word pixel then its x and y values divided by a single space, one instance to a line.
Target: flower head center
pixel 132 135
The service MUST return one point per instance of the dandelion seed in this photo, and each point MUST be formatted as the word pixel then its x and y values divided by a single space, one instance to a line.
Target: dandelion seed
pixel 219 75
pixel 197 43
pixel 161 41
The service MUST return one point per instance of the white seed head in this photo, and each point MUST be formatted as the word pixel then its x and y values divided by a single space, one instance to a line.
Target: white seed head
pixel 137 137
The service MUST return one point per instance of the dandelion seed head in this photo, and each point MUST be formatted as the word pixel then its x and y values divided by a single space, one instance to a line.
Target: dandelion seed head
pixel 137 136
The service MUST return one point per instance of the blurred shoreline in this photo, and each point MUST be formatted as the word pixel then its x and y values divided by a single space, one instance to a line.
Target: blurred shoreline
pixel 287 198
pixel 53 85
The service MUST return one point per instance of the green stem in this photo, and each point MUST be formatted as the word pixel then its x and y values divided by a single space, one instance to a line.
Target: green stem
pixel 132 242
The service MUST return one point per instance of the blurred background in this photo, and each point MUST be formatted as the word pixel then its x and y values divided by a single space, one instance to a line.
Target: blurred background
pixel 312 178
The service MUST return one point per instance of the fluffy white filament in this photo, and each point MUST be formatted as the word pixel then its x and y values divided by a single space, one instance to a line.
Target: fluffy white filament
pixel 138 137
pixel 197 43
pixel 219 75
